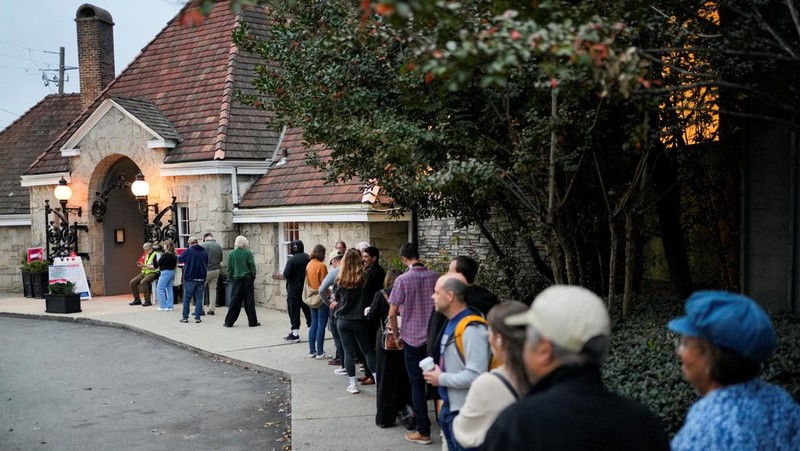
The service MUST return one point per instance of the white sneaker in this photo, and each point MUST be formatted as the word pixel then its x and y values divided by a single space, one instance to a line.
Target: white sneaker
pixel 161 309
pixel 313 355
pixel 340 371
pixel 353 389
pixel 322 356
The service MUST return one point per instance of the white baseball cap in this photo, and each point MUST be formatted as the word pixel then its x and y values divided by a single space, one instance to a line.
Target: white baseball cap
pixel 569 316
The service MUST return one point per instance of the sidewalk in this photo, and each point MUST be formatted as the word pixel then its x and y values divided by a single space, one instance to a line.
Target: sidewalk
pixel 324 415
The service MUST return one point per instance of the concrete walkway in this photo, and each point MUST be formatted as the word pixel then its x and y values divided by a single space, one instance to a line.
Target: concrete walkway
pixel 324 415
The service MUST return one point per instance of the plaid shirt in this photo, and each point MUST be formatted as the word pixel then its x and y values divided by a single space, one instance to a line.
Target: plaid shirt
pixel 412 294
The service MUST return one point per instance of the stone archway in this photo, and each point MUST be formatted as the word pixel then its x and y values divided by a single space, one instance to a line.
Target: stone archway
pixel 122 213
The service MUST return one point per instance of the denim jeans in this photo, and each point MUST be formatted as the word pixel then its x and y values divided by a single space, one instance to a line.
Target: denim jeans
pixel 316 333
pixel 355 332
pixel 166 296
pixel 446 418
pixel 193 288
pixel 413 356
pixel 337 342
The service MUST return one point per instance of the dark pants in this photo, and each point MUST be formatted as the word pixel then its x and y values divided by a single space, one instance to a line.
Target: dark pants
pixel 354 333
pixel 294 303
pixel 446 418
pixel 242 292
pixel 413 356
pixel 142 283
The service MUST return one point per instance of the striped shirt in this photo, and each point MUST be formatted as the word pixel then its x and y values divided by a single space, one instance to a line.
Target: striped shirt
pixel 412 294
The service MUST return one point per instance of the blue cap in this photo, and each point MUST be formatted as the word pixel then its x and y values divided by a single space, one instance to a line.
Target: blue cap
pixel 728 320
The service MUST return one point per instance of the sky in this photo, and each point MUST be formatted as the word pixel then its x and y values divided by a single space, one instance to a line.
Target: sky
pixel 31 32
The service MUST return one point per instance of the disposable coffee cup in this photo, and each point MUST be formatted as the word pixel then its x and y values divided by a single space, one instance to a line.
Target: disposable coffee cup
pixel 427 364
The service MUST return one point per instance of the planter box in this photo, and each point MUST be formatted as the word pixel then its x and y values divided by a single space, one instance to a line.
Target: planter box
pixel 27 284
pixel 62 303
pixel 40 281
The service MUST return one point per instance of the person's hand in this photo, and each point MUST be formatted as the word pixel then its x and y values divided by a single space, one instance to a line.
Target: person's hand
pixel 432 376
pixel 333 305
pixel 139 264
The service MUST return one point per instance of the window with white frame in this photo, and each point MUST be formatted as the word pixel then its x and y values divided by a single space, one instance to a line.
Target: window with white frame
pixel 183 225
pixel 287 232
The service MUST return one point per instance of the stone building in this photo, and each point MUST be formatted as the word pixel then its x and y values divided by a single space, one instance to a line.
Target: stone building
pixel 210 162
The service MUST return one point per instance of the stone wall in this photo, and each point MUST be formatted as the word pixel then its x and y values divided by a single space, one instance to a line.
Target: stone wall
pixel 16 241
pixel 270 287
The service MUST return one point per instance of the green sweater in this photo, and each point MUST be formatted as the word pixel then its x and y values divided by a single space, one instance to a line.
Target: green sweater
pixel 241 264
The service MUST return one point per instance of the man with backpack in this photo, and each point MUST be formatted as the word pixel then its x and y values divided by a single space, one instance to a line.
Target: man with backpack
pixel 464 351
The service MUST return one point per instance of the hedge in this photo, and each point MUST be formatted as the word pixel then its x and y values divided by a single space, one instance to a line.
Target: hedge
pixel 642 363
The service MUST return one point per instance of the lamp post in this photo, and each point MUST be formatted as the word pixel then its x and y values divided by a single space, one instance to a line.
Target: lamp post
pixel 141 189
pixel 62 238
pixel 155 231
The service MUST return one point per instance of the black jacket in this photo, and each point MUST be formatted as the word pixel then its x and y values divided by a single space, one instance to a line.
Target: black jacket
pixel 375 276
pixel 295 273
pixel 351 302
pixel 571 409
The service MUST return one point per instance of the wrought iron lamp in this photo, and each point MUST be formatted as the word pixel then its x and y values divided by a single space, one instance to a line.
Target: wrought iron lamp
pixel 141 189
pixel 62 238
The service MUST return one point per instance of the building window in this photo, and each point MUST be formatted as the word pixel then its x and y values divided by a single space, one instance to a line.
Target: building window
pixel 183 225
pixel 287 232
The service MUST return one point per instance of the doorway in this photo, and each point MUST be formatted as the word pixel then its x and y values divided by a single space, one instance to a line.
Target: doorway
pixel 123 230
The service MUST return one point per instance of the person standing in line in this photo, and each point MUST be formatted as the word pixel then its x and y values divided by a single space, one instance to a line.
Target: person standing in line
pixel 349 308
pixel 326 293
pixel 195 260
pixel 241 269
pixel 455 372
pixel 724 340
pixel 393 390
pixel 411 299
pixel 568 332
pixel 147 274
pixel 212 271
pixel 492 392
pixel 166 268
pixel 479 299
pixel 315 274
pixel 295 273
pixel 340 247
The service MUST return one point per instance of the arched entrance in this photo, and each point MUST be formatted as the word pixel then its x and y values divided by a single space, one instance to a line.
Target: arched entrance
pixel 122 214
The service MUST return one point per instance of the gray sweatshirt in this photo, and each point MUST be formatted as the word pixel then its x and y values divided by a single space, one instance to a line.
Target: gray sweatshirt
pixel 459 374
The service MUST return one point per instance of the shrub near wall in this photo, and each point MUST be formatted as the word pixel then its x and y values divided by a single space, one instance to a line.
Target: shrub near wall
pixel 642 363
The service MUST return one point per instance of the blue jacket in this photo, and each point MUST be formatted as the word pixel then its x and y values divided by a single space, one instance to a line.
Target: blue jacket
pixel 195 260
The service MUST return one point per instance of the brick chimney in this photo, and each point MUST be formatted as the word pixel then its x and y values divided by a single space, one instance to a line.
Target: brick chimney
pixel 95 51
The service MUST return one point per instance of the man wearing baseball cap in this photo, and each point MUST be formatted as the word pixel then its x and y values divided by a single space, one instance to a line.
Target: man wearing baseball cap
pixel 724 339
pixel 569 407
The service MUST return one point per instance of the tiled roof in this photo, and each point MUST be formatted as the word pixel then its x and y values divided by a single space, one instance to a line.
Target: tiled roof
pixel 23 140
pixel 295 183
pixel 148 113
pixel 190 74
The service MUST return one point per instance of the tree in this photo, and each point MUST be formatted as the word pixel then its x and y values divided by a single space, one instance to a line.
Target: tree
pixel 562 118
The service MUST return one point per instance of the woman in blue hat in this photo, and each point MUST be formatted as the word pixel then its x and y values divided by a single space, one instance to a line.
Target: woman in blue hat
pixel 724 339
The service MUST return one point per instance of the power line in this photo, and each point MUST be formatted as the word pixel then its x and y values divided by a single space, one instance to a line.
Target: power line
pixel 24 59
pixel 21 46
pixel 9 112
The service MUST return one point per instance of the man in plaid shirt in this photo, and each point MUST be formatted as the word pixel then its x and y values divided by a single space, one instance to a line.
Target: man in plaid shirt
pixel 411 297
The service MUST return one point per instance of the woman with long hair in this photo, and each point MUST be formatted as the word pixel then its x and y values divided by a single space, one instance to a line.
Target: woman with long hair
pixel 394 389
pixel 492 392
pixel 166 265
pixel 316 270
pixel 349 308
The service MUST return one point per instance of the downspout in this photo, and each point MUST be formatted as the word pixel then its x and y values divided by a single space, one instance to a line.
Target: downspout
pixel 235 188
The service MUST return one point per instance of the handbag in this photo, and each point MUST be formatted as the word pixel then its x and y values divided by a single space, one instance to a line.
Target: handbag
pixel 311 296
pixel 178 279
pixel 389 343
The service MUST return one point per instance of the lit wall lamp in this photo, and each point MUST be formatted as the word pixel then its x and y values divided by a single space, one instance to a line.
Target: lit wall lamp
pixel 62 238
pixel 119 236
pixel 141 189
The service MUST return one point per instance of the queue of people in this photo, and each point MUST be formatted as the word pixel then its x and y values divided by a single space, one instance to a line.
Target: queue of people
pixel 502 375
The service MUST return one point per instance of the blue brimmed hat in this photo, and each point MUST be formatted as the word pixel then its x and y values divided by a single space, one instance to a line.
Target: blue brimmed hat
pixel 728 320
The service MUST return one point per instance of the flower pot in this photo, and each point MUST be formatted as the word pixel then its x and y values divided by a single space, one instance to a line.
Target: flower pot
pixel 62 303
pixel 27 284
pixel 39 281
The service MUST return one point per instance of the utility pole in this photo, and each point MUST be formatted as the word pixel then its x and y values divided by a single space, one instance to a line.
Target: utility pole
pixel 61 72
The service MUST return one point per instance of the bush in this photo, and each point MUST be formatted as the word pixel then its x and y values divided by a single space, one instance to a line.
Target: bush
pixel 36 266
pixel 642 363
pixel 61 288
